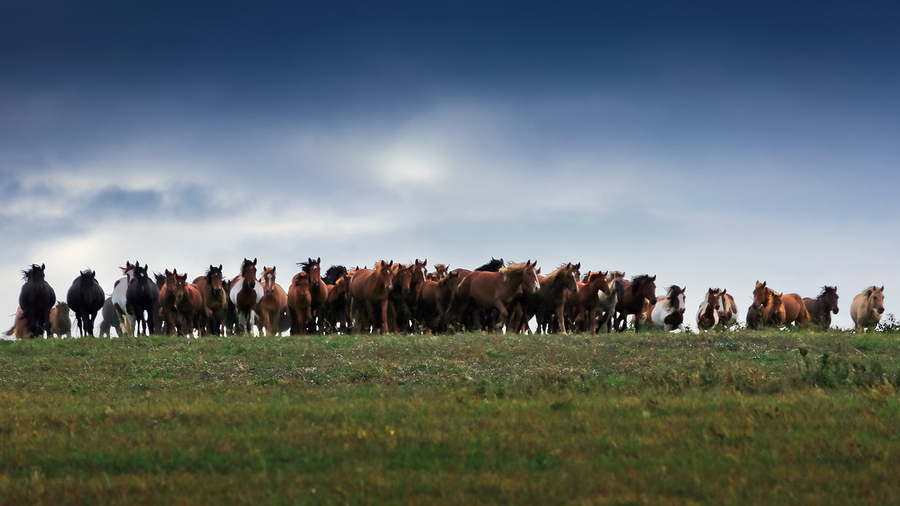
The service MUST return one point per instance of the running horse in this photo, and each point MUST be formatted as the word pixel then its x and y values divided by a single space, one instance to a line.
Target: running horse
pixel 245 294
pixel 299 303
pixel 86 298
pixel 485 290
pixel 668 312
pixel 632 299
pixel 585 304
pixel 215 299
pixel 141 297
pixel 708 314
pixel 728 311
pixel 399 313
pixel 767 309
pixel 180 304
pixel 369 288
pixel 274 301
pixel 36 299
pixel 821 307
pixel 318 291
pixel 119 296
pixel 794 310
pixel 867 308
pixel 551 298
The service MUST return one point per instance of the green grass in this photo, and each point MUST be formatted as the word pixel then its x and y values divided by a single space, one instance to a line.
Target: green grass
pixel 723 418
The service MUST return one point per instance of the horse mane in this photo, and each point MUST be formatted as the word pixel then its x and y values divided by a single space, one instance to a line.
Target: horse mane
pixel 554 276
pixel 306 266
pixel 494 265
pixel 334 273
pixel 826 289
pixel 641 279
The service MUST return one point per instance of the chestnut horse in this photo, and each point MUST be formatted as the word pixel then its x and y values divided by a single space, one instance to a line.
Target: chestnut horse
pixel 551 298
pixel 631 301
pixel 318 290
pixel 434 300
pixel 399 313
pixel 36 299
pixel 85 297
pixel 668 312
pixel 867 308
pixel 494 290
pixel 794 308
pixel 368 288
pixel 180 304
pixel 440 272
pixel 215 299
pixel 821 307
pixel 585 304
pixel 245 294
pixel 767 307
pixel 708 314
pixel 274 301
pixel 299 302
pixel 60 323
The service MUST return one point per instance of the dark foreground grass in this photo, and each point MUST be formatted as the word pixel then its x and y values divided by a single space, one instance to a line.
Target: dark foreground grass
pixel 775 418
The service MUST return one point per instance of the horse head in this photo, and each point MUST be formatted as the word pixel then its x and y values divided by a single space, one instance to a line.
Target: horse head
pixel 268 280
pixel 384 274
pixel 530 281
pixel 420 272
pixel 314 269
pixel 214 279
pixel 248 273
pixel 760 295
pixel 713 297
pixel 875 296
pixel 830 297
pixel 645 286
pixel 402 277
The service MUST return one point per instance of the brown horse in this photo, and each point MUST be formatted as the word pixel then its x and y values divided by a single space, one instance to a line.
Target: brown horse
pixel 299 302
pixel 434 300
pixel 440 272
pixel 821 307
pixel 399 313
pixel 368 288
pixel 180 304
pixel 708 314
pixel 215 299
pixel 632 299
pixel 728 312
pixel 794 308
pixel 494 290
pixel 245 294
pixel 337 306
pixel 867 308
pixel 774 310
pixel 318 290
pixel 585 304
pixel 274 301
pixel 60 322
pixel 551 298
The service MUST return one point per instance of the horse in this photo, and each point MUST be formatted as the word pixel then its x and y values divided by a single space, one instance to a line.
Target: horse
pixel 36 299
pixel 632 298
pixel 245 294
pixel 668 312
pixel 551 298
pixel 728 312
pixel 111 318
pixel 585 303
pixel 485 290
pixel 794 308
pixel 399 314
pixel 368 288
pixel 299 303
pixel 440 272
pixel 333 274
pixel 867 308
pixel 434 300
pixel 708 314
pixel 821 307
pixel 318 290
pixel 141 297
pixel 419 272
pixel 181 305
pixel 60 323
pixel 493 266
pixel 274 301
pixel 86 298
pixel 215 299
pixel 337 304
pixel 119 295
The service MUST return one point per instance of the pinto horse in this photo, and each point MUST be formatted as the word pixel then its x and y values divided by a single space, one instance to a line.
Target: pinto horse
pixel 111 319
pixel 181 305
pixel 119 295
pixel 485 290
pixel 867 308
pixel 551 298
pixel 274 301
pixel 245 294
pixel 631 301
pixel 215 299
pixel 708 314
pixel 821 307
pixel 36 299
pixel 728 311
pixel 86 298
pixel 668 312
pixel 368 288
pixel 140 298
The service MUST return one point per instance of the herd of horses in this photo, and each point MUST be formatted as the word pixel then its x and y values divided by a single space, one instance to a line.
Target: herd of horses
pixel 396 298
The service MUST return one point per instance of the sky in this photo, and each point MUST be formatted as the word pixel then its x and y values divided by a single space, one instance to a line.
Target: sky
pixel 711 144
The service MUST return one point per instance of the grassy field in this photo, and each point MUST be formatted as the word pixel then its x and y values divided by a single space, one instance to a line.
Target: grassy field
pixel 725 418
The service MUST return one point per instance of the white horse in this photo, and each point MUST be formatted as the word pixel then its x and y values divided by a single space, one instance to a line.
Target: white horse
pixel 120 289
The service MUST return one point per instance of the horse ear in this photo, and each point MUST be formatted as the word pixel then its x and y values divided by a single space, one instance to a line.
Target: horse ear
pixel 424 262
pixel 220 267
pixel 653 278
pixel 43 267
pixel 578 265
pixel 880 289
pixel 254 260
pixel 319 260
pixel 390 264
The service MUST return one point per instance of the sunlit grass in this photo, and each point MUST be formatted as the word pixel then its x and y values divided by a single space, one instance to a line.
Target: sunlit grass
pixel 774 417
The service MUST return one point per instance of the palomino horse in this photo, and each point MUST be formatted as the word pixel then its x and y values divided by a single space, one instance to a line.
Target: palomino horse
pixel 728 311
pixel 299 302
pixel 485 290
pixel 632 299
pixel 141 296
pixel 36 300
pixel 368 288
pixel 585 304
pixel 119 295
pixel 708 314
pixel 215 299
pixel 181 305
pixel 821 307
pixel 245 294
pixel 274 301
pixel 85 297
pixel 668 312
pixel 318 290
pixel 867 308
pixel 551 298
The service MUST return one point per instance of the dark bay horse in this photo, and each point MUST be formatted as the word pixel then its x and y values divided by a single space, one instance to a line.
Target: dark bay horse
pixel 337 305
pixel 369 288
pixel 318 291
pixel 245 294
pixel 274 301
pixel 140 299
pixel 85 297
pixel 299 303
pixel 181 305
pixel 821 307
pixel 36 299
pixel 867 308
pixel 485 290
pixel 551 298
pixel 215 299
pixel 631 301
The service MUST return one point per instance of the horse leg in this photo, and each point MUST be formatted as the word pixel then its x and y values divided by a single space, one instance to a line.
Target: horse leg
pixel 384 320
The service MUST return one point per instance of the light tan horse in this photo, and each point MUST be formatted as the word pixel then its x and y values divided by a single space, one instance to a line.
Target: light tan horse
pixel 273 302
pixel 867 308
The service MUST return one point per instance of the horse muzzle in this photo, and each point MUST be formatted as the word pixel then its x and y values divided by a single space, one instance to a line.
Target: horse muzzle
pixel 217 291
pixel 836 310
pixel 881 310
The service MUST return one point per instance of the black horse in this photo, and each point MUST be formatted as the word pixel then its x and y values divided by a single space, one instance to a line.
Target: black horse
pixel 141 297
pixel 36 300
pixel 86 298
pixel 493 266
